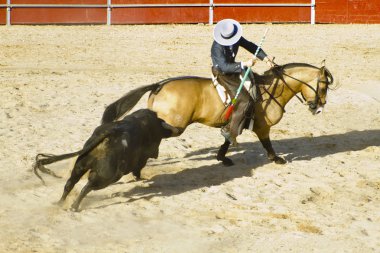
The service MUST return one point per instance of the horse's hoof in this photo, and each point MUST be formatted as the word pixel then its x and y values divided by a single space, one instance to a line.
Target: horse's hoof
pixel 279 160
pixel 227 162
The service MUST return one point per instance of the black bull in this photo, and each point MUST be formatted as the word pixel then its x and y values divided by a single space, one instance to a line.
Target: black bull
pixel 114 149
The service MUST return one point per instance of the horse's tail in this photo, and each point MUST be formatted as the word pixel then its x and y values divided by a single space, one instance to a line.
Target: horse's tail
pixel 43 159
pixel 126 103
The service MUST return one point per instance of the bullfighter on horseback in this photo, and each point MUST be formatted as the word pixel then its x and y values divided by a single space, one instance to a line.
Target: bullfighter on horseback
pixel 227 40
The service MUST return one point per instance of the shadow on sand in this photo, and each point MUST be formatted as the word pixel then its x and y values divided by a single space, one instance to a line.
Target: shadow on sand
pixel 303 148
pixel 307 148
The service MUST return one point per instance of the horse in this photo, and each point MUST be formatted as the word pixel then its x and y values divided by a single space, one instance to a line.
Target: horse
pixel 181 101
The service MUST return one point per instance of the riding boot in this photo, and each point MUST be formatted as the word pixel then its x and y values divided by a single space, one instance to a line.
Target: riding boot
pixel 240 119
pixel 237 119
pixel 231 83
pixel 249 116
pixel 226 132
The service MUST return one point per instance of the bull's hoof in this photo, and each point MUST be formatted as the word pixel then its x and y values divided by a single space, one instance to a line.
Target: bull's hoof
pixel 137 176
pixel 137 179
pixel 278 160
pixel 74 208
pixel 60 202
pixel 117 194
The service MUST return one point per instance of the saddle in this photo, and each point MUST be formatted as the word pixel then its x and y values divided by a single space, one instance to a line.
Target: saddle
pixel 226 99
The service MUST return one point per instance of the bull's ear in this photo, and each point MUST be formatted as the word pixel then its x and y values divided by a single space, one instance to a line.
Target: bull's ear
pixel 173 130
pixel 323 63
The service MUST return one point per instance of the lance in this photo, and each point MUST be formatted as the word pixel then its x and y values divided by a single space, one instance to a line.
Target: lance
pixel 233 102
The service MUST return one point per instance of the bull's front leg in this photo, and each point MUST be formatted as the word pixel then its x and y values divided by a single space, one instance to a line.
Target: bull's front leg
pixel 267 144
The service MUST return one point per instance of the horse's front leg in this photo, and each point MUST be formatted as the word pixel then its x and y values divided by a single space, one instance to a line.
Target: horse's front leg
pixel 267 144
pixel 221 156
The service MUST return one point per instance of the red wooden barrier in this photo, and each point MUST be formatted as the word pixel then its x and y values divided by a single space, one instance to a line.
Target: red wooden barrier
pixel 327 11
pixel 348 11
pixel 160 15
pixel 2 13
pixel 264 14
pixel 58 15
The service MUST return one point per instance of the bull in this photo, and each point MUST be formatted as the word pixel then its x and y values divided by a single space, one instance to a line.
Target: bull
pixel 113 150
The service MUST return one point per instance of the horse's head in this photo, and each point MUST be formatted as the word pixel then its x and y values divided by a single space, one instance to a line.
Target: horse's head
pixel 315 92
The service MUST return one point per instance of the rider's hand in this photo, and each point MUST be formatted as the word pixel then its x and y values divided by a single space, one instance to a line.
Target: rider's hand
pixel 269 62
pixel 249 63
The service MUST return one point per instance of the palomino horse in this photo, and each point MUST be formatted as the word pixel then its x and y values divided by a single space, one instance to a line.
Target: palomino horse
pixel 184 100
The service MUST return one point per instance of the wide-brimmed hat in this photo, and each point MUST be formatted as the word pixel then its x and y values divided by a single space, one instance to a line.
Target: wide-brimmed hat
pixel 227 32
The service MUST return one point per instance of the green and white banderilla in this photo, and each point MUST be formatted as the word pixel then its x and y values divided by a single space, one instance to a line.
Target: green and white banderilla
pixel 233 102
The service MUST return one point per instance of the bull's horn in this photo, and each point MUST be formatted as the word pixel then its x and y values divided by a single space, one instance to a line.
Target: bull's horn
pixel 174 130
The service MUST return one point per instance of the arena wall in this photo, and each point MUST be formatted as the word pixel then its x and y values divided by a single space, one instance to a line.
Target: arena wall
pixel 326 11
pixel 348 11
pixel 2 13
pixel 160 15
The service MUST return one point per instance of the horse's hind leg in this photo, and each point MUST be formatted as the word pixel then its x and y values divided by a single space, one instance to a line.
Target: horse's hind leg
pixel 78 171
pixel 221 156
pixel 86 189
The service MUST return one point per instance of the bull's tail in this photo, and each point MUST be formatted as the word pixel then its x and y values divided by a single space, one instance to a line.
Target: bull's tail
pixel 43 159
pixel 126 103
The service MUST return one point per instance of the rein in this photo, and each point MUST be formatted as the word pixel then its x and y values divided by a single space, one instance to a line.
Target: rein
pixel 274 99
pixel 302 100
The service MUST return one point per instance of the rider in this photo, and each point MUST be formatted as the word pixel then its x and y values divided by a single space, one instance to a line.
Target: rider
pixel 227 40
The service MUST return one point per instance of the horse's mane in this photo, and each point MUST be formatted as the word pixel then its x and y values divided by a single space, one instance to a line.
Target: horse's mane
pixel 279 68
pixel 266 77
pixel 277 71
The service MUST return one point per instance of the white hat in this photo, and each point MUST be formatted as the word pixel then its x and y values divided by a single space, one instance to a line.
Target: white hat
pixel 227 32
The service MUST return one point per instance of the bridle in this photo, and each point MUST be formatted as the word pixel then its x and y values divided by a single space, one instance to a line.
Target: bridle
pixel 312 104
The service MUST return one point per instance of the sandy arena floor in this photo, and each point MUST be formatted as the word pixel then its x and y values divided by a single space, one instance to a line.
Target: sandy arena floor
pixel 56 80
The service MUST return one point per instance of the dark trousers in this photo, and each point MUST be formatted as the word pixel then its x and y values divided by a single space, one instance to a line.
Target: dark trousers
pixel 231 82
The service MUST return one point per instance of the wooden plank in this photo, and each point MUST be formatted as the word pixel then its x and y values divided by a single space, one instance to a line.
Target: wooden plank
pixel 3 13
pixel 58 16
pixel 160 1
pixel 338 11
pixel 264 1
pixel 363 11
pixel 159 15
pixel 59 1
pixel 348 11
pixel 263 14
pixel 3 16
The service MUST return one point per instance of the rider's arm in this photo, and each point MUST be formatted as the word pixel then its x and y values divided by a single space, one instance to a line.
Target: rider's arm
pixel 252 47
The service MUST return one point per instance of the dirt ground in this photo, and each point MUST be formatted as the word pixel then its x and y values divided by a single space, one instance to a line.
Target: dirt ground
pixel 56 80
